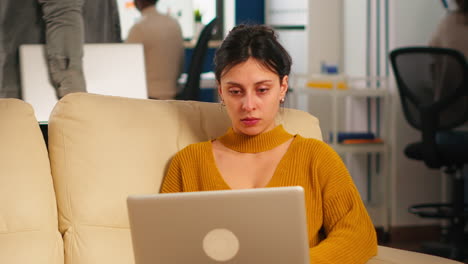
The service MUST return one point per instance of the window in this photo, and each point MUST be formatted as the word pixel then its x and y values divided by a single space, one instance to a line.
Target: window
pixel 182 10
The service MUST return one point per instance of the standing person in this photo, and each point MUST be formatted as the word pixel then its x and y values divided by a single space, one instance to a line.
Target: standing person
pixel 163 44
pixel 101 21
pixel 452 31
pixel 59 24
pixel 252 70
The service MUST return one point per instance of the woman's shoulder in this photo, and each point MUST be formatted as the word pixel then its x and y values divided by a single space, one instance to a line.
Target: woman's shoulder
pixel 316 149
pixel 327 163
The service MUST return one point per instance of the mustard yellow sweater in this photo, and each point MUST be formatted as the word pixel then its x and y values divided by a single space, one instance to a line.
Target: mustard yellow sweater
pixel 332 200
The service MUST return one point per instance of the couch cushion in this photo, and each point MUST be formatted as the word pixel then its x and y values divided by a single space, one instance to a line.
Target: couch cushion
pixel 104 148
pixel 28 210
pixel 388 255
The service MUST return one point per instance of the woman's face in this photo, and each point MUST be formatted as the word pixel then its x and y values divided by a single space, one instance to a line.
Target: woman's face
pixel 252 95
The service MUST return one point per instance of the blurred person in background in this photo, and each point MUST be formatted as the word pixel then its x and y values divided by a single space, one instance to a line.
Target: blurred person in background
pixel 63 25
pixel 163 44
pixel 101 21
pixel 59 24
pixel 452 31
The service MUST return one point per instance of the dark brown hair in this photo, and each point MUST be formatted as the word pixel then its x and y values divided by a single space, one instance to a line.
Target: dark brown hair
pixel 252 41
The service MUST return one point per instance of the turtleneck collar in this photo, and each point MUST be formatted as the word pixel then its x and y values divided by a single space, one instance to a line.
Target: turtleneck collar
pixel 254 144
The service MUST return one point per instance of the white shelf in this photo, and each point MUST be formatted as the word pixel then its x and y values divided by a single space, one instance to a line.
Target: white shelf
pixel 373 178
pixel 365 92
pixel 356 86
pixel 360 148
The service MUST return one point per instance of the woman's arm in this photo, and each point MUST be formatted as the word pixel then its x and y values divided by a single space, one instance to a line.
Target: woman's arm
pixel 64 44
pixel 172 182
pixel 350 234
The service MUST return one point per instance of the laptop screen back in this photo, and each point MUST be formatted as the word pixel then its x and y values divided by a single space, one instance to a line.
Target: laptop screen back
pixel 109 68
pixel 266 225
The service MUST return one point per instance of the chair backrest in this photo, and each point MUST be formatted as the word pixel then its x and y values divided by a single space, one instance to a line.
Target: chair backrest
pixel 191 89
pixel 432 83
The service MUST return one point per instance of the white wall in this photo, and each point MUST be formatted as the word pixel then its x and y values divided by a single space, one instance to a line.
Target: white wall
pixel 414 21
pixel 325 29
pixel 354 37
pixel 229 15
pixel 291 13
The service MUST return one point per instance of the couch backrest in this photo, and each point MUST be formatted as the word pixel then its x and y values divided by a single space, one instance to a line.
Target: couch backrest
pixel 104 148
pixel 28 209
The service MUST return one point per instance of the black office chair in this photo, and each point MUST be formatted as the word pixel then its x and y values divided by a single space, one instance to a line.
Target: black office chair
pixel 433 88
pixel 191 90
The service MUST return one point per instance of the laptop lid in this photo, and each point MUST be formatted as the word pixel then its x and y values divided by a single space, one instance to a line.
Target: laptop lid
pixel 266 225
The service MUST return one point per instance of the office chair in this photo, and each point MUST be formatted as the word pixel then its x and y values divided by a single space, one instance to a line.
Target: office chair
pixel 433 89
pixel 191 90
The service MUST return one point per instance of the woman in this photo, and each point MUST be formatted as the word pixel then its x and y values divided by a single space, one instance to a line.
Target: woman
pixel 252 71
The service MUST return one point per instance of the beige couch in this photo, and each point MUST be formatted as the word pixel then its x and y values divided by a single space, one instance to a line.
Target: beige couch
pixel 67 205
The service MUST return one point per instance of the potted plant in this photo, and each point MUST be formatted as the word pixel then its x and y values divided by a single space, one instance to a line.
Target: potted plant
pixel 197 16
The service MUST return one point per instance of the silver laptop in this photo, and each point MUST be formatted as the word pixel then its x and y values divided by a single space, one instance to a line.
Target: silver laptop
pixel 266 225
